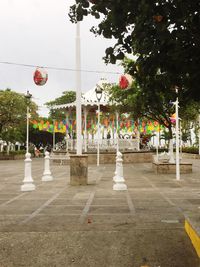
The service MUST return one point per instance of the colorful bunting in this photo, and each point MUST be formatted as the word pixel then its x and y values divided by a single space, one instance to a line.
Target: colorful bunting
pixel 125 124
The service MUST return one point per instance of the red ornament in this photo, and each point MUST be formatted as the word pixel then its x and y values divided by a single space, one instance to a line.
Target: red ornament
pixel 40 76
pixel 125 81
pixel 158 18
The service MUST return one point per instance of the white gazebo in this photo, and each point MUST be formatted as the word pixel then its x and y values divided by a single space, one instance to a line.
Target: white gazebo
pixel 90 103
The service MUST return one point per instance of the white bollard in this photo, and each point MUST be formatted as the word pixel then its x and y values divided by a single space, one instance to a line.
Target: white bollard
pixel 115 169
pixel 119 179
pixel 47 173
pixel 28 181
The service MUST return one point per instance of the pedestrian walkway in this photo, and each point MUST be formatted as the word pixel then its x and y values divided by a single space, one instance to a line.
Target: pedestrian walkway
pixel 79 226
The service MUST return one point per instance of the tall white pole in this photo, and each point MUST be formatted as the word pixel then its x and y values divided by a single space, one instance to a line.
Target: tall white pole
pixel 28 180
pixel 117 127
pixel 138 136
pixel 181 142
pixel 27 129
pixel 177 142
pixel 78 91
pixel 98 133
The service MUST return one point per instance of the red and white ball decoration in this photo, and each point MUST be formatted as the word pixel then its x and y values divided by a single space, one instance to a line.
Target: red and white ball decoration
pixel 125 81
pixel 40 76
pixel 158 18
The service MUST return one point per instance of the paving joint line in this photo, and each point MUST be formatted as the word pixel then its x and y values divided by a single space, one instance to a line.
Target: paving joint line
pixel 100 177
pixel 156 188
pixel 12 199
pixel 162 194
pixel 36 212
pixel 17 197
pixel 130 203
pixel 86 208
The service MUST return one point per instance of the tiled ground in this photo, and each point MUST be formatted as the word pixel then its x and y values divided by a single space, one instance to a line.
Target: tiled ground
pixel 61 225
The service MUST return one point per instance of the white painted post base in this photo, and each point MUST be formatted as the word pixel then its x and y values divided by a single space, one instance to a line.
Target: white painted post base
pixel 118 178
pixel 115 171
pixel 28 181
pixel 119 187
pixel 47 173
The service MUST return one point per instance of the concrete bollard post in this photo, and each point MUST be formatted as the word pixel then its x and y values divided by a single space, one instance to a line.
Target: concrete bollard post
pixel 115 169
pixel 119 178
pixel 28 181
pixel 47 173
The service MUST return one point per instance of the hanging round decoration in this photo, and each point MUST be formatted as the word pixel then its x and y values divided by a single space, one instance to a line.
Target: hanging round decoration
pixel 40 76
pixel 158 18
pixel 125 81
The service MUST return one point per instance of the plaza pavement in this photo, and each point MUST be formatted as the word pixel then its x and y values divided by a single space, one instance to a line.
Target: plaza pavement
pixel 94 226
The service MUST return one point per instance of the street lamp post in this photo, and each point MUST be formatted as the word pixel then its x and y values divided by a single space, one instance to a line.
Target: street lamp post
pixel 28 181
pixel 117 127
pixel 28 98
pixel 98 91
pixel 78 92
pixel 177 138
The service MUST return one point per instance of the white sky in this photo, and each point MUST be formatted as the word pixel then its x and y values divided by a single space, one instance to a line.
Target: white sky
pixel 38 32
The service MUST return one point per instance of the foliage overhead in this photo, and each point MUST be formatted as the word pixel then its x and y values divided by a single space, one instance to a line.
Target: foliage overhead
pixel 151 104
pixel 13 110
pixel 163 34
pixel 67 97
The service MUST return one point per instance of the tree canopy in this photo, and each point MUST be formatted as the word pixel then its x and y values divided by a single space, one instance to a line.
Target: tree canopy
pixel 163 34
pixel 152 104
pixel 67 97
pixel 13 110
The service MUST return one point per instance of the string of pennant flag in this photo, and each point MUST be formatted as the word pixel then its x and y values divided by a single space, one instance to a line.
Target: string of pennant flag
pixel 127 125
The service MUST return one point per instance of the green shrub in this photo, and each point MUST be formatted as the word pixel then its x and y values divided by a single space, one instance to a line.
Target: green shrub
pixel 160 150
pixel 20 152
pixel 191 149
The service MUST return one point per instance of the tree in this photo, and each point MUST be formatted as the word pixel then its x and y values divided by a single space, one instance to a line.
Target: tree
pixel 164 35
pixel 13 115
pixel 153 104
pixel 67 97
pixel 150 104
pixel 189 120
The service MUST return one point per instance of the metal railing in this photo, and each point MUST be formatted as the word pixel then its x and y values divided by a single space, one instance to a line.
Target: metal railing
pixel 104 144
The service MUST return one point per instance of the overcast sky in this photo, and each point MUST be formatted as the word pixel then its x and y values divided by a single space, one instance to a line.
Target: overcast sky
pixel 38 32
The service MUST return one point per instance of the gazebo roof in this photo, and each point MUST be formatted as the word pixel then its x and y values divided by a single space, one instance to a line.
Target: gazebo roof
pixel 89 98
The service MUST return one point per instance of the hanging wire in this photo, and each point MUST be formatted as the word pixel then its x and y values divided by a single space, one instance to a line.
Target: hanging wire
pixel 57 68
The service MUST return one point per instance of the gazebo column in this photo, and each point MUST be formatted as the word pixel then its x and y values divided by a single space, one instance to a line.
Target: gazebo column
pixel 85 130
